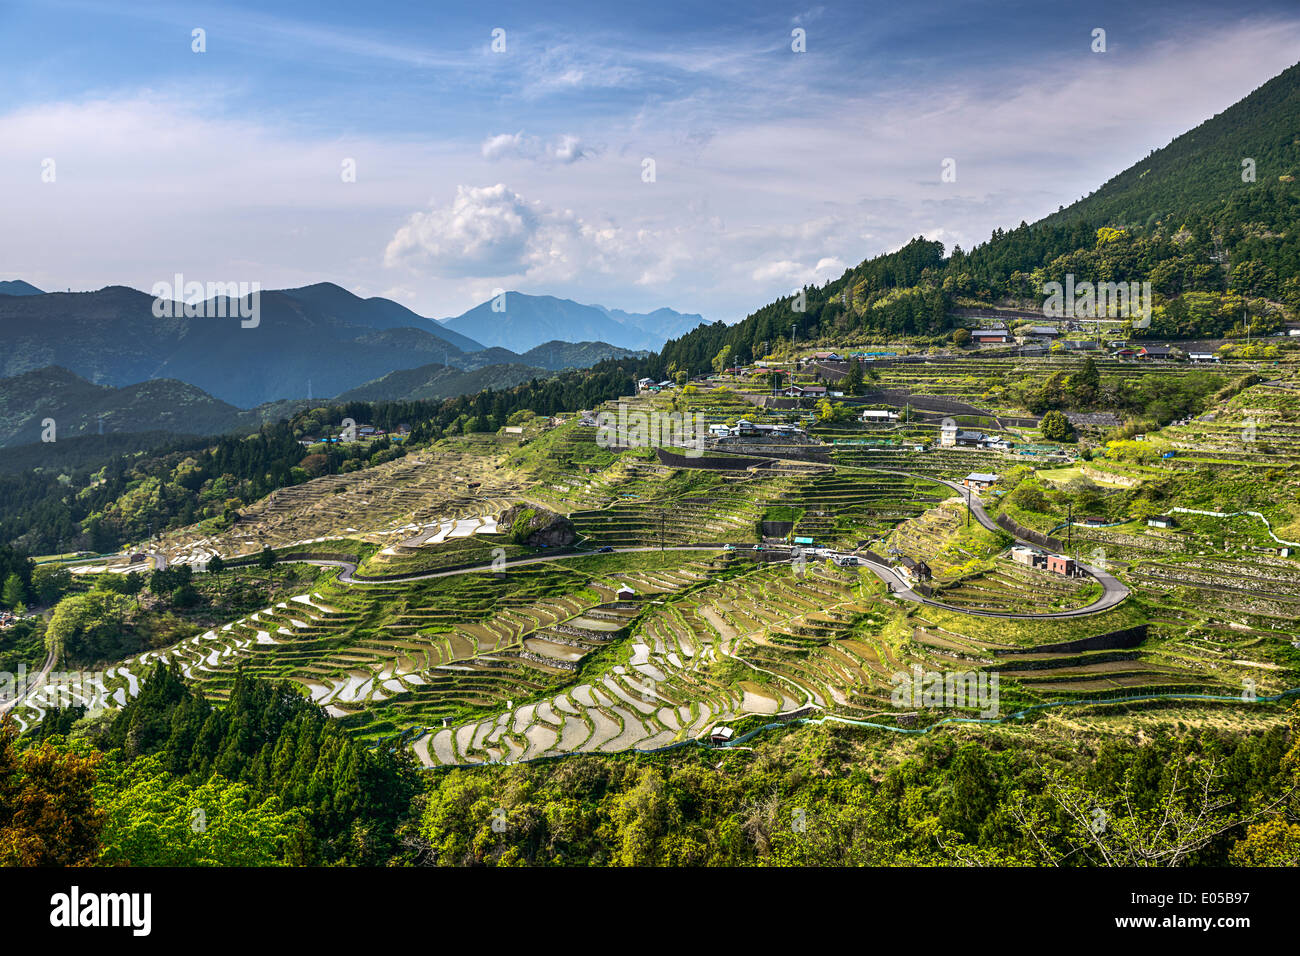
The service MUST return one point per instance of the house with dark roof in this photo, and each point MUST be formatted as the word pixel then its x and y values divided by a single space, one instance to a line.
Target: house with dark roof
pixel 916 570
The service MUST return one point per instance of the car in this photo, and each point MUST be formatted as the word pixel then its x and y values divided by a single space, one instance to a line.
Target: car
pixel 605 550
pixel 758 547
pixel 728 547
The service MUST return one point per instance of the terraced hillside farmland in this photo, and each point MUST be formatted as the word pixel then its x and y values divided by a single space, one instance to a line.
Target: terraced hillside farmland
pixel 454 639
pixel 385 504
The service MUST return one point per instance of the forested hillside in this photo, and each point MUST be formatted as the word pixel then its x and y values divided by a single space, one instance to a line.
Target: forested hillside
pixel 1222 254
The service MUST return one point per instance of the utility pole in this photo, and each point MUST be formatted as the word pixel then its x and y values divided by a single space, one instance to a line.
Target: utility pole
pixel 1069 528
pixel 661 530
pixel 968 506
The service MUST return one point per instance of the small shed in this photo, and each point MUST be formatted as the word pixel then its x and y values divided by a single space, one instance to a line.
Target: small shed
pixel 1060 564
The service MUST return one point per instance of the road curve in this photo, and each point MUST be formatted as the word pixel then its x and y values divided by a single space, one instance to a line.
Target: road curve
pixel 1113 591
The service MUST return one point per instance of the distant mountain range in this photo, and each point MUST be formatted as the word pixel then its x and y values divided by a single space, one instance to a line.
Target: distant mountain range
pixel 319 340
pixel 77 408
pixel 165 406
pixel 529 320
pixel 18 287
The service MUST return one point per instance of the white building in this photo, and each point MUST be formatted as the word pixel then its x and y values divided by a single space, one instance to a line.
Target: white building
pixel 873 416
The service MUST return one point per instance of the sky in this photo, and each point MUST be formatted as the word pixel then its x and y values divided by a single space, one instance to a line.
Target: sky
pixel 634 155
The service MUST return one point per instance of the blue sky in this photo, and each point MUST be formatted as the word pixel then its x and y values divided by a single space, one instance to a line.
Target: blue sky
pixel 479 170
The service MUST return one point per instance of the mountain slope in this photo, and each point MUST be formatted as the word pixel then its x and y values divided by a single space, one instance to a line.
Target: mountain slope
pixel 18 287
pixel 439 381
pixel 1204 166
pixel 1222 255
pixel 78 407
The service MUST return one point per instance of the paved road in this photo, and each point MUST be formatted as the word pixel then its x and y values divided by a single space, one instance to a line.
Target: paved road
pixel 1113 591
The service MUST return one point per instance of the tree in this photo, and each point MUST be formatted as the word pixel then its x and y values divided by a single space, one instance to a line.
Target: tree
pixel 47 812
pixel 153 818
pixel 51 582
pixel 961 337
pixel 720 360
pixel 216 566
pixel 852 383
pixel 266 560
pixel 91 627
pixel 1055 426
pixel 14 592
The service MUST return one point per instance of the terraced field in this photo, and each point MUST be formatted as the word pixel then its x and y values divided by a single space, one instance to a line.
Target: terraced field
pixel 545 659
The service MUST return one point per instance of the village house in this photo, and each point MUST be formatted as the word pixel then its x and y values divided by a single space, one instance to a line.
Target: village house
pixel 1162 521
pixel 915 570
pixel 876 416
pixel 990 336
pixel 1040 332
pixel 805 391
pixel 979 480
pixel 1156 352
pixel 1029 557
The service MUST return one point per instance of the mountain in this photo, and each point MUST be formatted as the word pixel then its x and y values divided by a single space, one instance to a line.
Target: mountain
pixel 1203 168
pixel 531 320
pixel 18 287
pixel 556 355
pixel 319 340
pixel 439 381
pixel 328 299
pixel 659 325
pixel 78 407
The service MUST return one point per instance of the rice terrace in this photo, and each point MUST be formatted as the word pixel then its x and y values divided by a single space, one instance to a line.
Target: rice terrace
pixel 342 530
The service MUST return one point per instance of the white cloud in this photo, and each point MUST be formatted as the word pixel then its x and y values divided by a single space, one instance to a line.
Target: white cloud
pixel 488 230
pixel 795 275
pixel 746 205
pixel 563 149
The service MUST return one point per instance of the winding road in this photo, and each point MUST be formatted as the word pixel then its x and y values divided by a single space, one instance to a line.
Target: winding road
pixel 1113 590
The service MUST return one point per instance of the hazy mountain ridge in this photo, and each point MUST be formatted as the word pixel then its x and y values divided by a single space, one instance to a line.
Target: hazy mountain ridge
pixel 319 340
pixel 528 321
pixel 18 287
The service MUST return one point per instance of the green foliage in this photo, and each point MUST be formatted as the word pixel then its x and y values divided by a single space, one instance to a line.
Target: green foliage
pixel 1055 426
pixel 92 627
pixel 277 745
pixel 154 818
pixel 50 582
pixel 522 526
